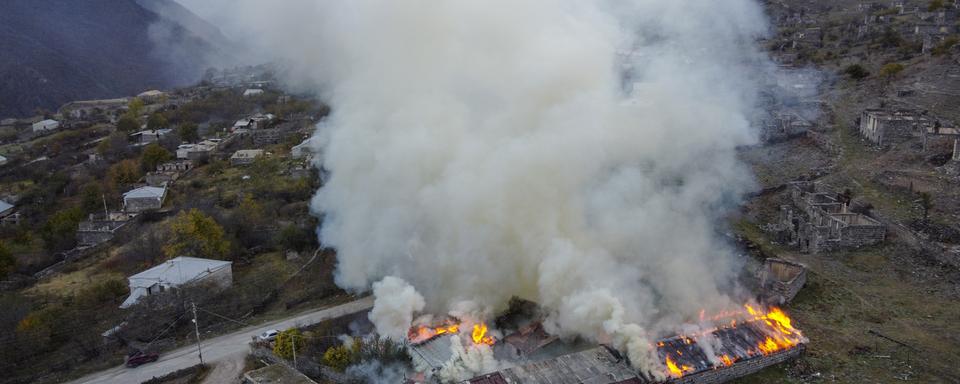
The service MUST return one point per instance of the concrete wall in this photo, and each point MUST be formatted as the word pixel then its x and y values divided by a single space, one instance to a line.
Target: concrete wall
pixel 141 204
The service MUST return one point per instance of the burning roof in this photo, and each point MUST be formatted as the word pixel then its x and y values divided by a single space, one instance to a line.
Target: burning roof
pixel 729 345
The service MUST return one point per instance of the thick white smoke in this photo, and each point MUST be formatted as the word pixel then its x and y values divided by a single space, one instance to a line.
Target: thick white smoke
pixel 574 153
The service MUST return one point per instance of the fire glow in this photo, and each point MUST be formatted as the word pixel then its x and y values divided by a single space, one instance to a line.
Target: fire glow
pixel 422 334
pixel 753 332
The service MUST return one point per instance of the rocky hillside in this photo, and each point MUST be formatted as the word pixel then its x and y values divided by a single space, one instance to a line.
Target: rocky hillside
pixel 55 51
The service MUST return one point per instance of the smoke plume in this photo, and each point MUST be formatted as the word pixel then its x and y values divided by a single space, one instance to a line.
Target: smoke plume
pixel 573 153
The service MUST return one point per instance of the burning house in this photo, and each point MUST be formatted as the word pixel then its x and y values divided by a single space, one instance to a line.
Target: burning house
pixel 731 345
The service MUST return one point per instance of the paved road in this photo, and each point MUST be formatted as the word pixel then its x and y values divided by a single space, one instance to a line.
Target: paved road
pixel 227 348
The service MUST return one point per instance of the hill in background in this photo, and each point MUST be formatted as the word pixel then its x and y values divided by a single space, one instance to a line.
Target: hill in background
pixel 55 51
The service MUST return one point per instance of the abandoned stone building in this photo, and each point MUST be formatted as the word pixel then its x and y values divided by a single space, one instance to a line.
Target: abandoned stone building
pixel 780 280
pixel 101 228
pixel 936 134
pixel 168 172
pixel 819 221
pixel 783 126
pixel 884 128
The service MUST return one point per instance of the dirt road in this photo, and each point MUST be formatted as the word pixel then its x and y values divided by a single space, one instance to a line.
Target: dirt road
pixel 227 348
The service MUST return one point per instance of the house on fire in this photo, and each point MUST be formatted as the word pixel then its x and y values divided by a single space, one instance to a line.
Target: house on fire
pixel 178 272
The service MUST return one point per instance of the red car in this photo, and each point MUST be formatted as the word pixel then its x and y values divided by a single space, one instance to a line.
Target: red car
pixel 137 359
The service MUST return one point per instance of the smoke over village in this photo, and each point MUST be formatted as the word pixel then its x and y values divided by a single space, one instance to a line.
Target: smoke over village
pixel 479 192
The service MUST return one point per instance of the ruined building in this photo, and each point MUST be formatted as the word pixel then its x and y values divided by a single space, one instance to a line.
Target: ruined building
pixel 883 127
pixel 819 221
pixel 781 280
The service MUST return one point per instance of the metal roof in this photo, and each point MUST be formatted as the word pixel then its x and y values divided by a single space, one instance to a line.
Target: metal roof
pixel 145 192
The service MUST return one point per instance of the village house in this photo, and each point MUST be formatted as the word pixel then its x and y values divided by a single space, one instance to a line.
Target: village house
pixel 783 126
pixel 44 126
pixel 197 152
pixel 144 199
pixel 820 221
pixel 303 150
pixel 6 209
pixel 884 128
pixel 152 96
pixel 149 136
pixel 168 172
pixel 936 132
pixel 179 272
pixel 3 160
pixel 252 92
pixel 245 156
pixel 276 374
pixel 88 109
pixel 101 228
pixel 258 121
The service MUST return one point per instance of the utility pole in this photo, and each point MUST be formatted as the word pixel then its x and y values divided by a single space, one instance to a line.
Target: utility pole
pixel 196 328
pixel 293 338
pixel 106 214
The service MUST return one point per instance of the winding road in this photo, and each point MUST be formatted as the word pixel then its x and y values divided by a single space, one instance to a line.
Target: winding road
pixel 228 348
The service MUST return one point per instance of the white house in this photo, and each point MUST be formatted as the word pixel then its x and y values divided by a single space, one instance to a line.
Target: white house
pixel 5 208
pixel 3 160
pixel 252 92
pixel 144 199
pixel 46 125
pixel 177 272
pixel 245 156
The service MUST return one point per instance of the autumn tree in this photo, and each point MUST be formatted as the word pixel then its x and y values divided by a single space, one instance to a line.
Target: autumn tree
pixel 188 132
pixel 124 172
pixel 128 123
pixel 135 107
pixel 60 229
pixel 156 121
pixel 154 155
pixel 341 356
pixel 195 234
pixel 891 70
pixel 288 340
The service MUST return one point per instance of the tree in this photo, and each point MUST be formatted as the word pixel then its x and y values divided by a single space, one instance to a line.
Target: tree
pixel 91 198
pixel 60 229
pixel 124 172
pixel 891 70
pixel 945 46
pixel 338 357
pixel 188 132
pixel 926 203
pixel 195 234
pixel 128 123
pixel 936 5
pixel 856 72
pixel 288 340
pixel 154 155
pixel 156 121
pixel 135 107
pixel 8 263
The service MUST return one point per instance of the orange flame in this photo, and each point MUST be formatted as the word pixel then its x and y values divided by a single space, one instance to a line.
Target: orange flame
pixel 480 335
pixel 726 360
pixel 773 322
pixel 677 371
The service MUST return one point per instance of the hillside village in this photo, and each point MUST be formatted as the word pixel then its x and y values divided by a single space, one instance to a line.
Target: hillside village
pixel 108 206
pixel 99 191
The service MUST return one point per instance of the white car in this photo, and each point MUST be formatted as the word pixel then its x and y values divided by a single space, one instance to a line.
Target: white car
pixel 269 335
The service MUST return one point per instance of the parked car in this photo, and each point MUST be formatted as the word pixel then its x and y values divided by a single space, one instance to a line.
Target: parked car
pixel 139 358
pixel 269 335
